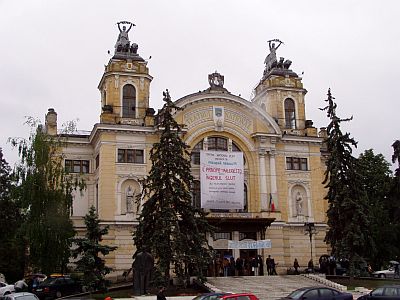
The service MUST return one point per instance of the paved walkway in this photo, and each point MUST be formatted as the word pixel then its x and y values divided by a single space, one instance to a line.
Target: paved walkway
pixel 264 287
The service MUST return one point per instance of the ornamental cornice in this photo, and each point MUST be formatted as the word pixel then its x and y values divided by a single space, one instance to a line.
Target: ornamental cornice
pixel 125 129
pixel 278 89
pixel 216 98
pixel 211 129
pixel 123 73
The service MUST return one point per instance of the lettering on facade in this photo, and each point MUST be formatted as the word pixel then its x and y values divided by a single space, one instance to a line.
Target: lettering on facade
pixel 125 168
pixel 239 120
pixel 194 118
pixel 234 215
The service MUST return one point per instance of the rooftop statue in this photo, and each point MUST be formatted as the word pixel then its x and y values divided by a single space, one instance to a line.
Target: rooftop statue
pixel 123 38
pixel 123 43
pixel 270 60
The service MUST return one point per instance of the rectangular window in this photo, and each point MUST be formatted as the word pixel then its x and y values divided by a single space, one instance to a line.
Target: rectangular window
pixel 131 156
pixel 76 166
pixel 97 161
pixel 222 236
pixel 296 163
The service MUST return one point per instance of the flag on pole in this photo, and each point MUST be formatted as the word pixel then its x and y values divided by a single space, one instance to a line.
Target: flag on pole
pixel 271 203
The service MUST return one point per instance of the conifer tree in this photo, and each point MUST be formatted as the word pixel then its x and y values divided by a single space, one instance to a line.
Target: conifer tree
pixel 45 192
pixel 170 227
pixel 88 250
pixel 348 211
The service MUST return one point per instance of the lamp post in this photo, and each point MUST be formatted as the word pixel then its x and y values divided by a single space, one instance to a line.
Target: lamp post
pixel 309 228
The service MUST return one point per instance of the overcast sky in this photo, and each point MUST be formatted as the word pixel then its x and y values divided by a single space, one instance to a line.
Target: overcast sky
pixel 53 53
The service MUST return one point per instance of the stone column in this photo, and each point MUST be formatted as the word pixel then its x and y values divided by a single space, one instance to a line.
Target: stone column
pixel 263 181
pixel 272 168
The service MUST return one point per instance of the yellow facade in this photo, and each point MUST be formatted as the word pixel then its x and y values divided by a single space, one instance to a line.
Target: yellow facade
pixel 283 160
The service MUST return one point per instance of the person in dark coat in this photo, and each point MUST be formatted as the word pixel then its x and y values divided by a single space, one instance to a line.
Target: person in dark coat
pixel 268 263
pixel 296 266
pixel 160 294
pixel 273 266
pixel 239 266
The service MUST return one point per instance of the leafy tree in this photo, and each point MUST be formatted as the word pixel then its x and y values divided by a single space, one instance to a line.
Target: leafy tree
pixel 348 211
pixel 393 202
pixel 396 157
pixel 88 250
pixel 170 227
pixel 45 192
pixel 10 220
pixel 376 179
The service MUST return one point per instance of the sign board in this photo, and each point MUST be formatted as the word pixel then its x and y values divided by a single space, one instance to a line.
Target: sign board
pixel 261 244
pixel 222 180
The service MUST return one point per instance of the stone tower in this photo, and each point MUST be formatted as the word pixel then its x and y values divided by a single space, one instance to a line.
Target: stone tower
pixel 125 85
pixel 281 94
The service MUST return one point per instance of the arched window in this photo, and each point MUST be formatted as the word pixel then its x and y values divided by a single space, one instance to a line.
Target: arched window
pixel 236 148
pixel 290 114
pixel 214 144
pixel 217 144
pixel 128 101
pixel 245 206
pixel 195 154
pixel 196 195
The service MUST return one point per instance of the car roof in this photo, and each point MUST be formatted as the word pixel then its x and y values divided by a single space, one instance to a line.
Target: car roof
pixel 21 294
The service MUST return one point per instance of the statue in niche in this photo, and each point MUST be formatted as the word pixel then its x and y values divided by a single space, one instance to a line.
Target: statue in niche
pixel 123 38
pixel 130 195
pixel 299 204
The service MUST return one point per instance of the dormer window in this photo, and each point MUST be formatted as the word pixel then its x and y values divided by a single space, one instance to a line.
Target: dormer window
pixel 128 101
pixel 290 114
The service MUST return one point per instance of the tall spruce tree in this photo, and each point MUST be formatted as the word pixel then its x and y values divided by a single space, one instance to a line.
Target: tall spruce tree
pixel 170 227
pixel 10 223
pixel 88 251
pixel 45 192
pixel 348 211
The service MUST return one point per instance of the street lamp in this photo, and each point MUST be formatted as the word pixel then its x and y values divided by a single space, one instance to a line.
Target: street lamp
pixel 309 228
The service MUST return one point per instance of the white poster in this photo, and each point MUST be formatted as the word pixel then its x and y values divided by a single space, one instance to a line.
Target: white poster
pixel 222 180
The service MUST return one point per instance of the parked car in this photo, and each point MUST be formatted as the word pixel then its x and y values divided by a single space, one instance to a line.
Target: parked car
pixel 318 293
pixel 6 289
pixel 56 287
pixel 238 296
pixel 388 292
pixel 209 296
pixel 21 296
pixel 389 273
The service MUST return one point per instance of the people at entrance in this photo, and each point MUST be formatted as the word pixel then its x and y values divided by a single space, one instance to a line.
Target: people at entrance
pixel 254 266
pixel 268 263
pixel 239 267
pixel 226 264
pixel 296 266
pixel 271 265
pixel 260 265
pixel 311 266
pixel 232 266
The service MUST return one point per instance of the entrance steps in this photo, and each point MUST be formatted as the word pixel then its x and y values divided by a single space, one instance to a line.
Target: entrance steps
pixel 267 287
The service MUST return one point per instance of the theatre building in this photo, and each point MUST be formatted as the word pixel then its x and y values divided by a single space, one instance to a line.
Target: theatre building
pixel 280 159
